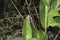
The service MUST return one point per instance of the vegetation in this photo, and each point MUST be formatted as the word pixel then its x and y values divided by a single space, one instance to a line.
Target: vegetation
pixel 29 19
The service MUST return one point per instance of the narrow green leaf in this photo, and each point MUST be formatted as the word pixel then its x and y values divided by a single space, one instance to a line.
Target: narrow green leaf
pixel 26 30
pixel 42 13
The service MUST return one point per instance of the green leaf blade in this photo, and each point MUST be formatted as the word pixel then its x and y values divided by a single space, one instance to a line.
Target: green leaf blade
pixel 51 21
pixel 55 3
pixel 26 30
pixel 39 35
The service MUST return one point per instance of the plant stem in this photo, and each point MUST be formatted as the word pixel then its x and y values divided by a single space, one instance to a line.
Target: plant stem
pixel 46 20
pixel 16 9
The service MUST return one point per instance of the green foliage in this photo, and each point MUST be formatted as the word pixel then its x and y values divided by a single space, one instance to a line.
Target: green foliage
pixel 49 16
pixel 51 20
pixel 42 13
pixel 38 34
pixel 31 33
pixel 48 2
pixel 33 39
pixel 46 15
pixel 48 12
pixel 55 3
pixel 26 30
